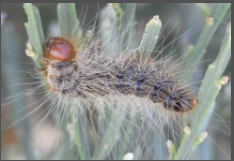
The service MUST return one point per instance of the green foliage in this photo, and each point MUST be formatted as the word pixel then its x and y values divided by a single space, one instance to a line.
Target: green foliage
pixel 35 33
pixel 212 82
pixel 68 23
pixel 150 36
pixel 218 13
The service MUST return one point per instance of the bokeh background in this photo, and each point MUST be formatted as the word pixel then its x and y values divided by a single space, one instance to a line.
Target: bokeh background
pixel 19 141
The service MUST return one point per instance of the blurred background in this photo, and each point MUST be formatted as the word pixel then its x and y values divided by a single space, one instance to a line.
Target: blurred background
pixel 20 140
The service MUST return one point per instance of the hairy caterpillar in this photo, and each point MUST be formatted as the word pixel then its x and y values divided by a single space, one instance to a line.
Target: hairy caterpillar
pixel 74 72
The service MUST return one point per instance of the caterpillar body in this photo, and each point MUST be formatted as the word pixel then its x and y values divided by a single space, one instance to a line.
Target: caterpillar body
pixel 87 73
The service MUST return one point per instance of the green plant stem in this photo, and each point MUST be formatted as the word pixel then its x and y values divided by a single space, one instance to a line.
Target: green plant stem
pixel 79 131
pixel 212 82
pixel 214 72
pixel 150 37
pixel 35 33
pixel 207 33
pixel 128 132
pixel 111 135
pixel 127 25
pixel 68 22
pixel 108 30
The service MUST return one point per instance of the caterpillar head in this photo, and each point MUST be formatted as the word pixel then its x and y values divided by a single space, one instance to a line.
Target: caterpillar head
pixel 180 101
pixel 58 48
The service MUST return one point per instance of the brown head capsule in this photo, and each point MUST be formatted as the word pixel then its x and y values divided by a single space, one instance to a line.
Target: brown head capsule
pixel 59 49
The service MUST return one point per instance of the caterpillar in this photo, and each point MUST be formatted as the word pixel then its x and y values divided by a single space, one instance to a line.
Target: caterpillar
pixel 87 73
